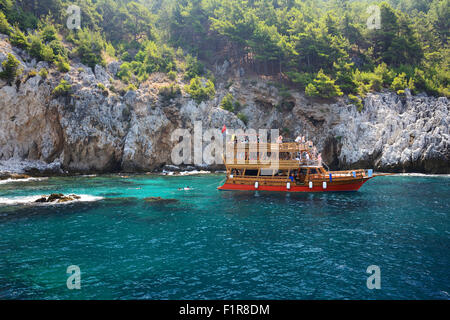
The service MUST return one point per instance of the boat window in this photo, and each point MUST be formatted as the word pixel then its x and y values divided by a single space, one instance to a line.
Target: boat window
pixel 266 172
pixel 303 172
pixel 313 171
pixel 251 173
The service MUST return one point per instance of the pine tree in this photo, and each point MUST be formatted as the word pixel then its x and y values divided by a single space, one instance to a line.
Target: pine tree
pixel 10 69
pixel 323 86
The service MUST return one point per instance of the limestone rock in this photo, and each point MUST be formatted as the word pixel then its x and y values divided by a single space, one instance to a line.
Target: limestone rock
pixel 90 132
pixel 57 198
pixel 101 75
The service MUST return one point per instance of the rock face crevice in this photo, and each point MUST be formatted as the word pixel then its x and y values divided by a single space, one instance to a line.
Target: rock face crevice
pixel 91 131
pixel 397 135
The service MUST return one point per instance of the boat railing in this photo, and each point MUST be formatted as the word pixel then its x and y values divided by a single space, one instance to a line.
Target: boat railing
pixel 348 173
pixel 270 147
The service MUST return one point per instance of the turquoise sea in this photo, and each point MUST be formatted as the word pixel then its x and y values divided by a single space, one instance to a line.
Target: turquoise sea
pixel 224 245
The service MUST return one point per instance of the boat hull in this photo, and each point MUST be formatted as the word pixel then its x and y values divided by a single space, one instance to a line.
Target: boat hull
pixel 353 186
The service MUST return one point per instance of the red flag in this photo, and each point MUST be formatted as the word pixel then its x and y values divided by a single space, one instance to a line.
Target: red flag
pixel 224 128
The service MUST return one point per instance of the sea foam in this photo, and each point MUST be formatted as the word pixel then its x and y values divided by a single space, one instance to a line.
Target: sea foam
pixel 10 180
pixel 32 199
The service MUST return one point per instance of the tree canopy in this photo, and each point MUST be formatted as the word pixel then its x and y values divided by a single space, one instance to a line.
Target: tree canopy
pixel 299 41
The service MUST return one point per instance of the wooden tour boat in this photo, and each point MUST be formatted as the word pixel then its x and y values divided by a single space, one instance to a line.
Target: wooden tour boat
pixel 286 167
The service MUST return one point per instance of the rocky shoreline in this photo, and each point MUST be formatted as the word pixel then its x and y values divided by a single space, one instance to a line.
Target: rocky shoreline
pixel 96 131
pixel 57 198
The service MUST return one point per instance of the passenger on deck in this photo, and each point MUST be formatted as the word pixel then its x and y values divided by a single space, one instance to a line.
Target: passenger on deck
pixel 234 139
pixel 280 139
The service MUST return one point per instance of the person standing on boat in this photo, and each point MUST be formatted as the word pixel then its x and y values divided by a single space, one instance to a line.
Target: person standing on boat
pixel 319 159
pixel 280 139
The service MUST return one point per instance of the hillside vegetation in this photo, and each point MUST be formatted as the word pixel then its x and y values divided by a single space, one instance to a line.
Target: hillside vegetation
pixel 322 47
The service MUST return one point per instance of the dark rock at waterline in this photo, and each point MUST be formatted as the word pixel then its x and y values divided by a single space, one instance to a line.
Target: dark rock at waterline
pixel 6 175
pixel 41 200
pixel 54 197
pixel 121 201
pixel 160 200
pixel 57 197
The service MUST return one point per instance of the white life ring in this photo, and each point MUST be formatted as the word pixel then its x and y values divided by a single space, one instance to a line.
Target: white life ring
pixel 310 185
pixel 256 185
pixel 288 186
pixel 324 185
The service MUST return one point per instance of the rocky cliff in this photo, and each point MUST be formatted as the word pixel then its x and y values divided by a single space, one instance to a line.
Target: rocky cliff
pixel 98 130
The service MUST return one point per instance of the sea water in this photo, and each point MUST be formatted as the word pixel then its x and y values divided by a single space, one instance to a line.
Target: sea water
pixel 224 244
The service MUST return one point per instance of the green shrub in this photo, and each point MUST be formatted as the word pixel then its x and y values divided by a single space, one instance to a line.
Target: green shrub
pixel 302 79
pixel 386 75
pixel 47 54
pixel 126 56
pixel 58 48
pixel 48 32
pixel 149 59
pixel 344 77
pixel 228 103
pixel 194 68
pixel 18 39
pixel 357 101
pixel 102 87
pixel 169 92
pixel 10 69
pixel 110 50
pixel 125 72
pixel 35 46
pixel 5 28
pixel 200 89
pixel 39 50
pixel 323 87
pixel 89 47
pixel 43 73
pixel 242 117
pixel 63 89
pixel 367 81
pixel 179 53
pixel 131 87
pixel 62 65
pixel 422 83
pixel 311 91
pixel 172 75
pixel 400 83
